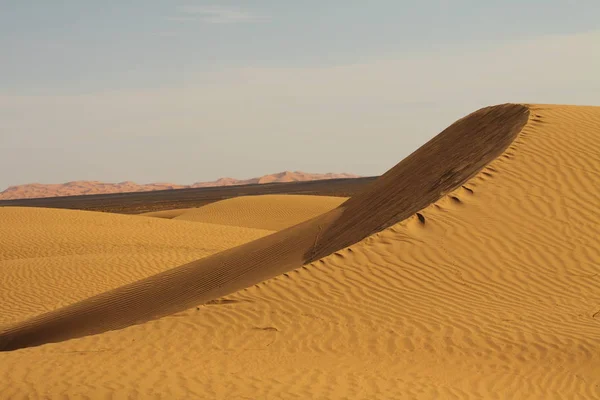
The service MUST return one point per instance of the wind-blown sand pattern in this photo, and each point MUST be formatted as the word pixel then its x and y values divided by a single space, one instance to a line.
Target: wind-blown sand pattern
pixel 471 276
pixel 50 258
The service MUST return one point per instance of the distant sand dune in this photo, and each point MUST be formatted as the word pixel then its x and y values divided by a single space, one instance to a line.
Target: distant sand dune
pixel 167 214
pixel 488 288
pixel 78 188
pixel 271 212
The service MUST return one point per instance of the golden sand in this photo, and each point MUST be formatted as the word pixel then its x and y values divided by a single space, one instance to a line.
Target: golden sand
pixel 492 291
pixel 271 212
pixel 50 258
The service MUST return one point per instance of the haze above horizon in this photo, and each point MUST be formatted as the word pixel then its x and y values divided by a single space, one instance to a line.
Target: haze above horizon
pixel 164 91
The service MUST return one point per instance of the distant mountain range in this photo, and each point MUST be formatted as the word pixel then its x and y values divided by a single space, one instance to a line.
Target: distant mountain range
pixel 75 188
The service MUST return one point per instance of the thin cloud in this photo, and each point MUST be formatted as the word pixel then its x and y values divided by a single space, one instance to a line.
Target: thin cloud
pixel 216 15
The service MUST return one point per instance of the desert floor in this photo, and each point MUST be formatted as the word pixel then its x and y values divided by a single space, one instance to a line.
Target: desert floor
pixel 475 276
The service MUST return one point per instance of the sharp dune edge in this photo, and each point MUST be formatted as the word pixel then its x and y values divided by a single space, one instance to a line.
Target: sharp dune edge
pixel 472 272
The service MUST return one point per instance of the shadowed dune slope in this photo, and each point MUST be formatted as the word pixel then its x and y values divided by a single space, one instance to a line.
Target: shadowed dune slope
pixel 441 165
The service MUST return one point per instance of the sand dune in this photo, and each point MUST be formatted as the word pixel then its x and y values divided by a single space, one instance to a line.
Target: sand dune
pixel 271 212
pixel 471 272
pixel 77 188
pixel 51 258
pixel 168 214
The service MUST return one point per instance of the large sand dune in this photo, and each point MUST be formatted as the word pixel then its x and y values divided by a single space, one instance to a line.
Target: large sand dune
pixel 469 270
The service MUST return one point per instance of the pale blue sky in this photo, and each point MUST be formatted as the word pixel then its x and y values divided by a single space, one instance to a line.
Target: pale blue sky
pixel 191 91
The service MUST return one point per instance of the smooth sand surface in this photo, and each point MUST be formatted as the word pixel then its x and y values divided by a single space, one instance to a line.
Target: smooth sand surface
pixel 271 212
pixel 491 291
pixel 167 214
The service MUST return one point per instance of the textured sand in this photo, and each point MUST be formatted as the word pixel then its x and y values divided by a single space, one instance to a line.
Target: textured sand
pixel 50 258
pixel 492 291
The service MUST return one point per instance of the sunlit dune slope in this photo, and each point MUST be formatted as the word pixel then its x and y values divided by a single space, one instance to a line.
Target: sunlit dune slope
pixel 271 212
pixel 441 165
pixel 50 258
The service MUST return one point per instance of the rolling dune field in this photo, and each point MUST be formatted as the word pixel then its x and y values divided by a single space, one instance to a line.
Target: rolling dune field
pixel 470 270
pixel 51 258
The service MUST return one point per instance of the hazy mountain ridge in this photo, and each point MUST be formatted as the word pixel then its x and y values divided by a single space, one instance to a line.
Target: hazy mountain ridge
pixel 74 188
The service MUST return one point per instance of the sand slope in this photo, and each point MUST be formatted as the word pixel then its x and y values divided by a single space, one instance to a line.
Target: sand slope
pixel 50 258
pixel 167 214
pixel 492 291
pixel 271 212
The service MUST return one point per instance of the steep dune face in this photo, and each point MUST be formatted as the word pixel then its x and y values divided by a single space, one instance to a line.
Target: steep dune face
pixel 443 164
